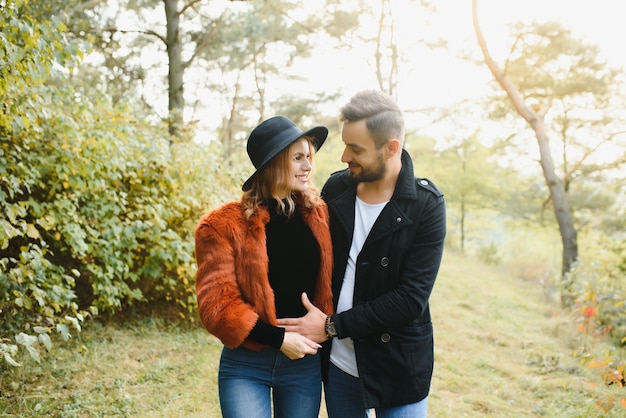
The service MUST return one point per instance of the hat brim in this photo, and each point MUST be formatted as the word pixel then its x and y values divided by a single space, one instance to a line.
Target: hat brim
pixel 319 135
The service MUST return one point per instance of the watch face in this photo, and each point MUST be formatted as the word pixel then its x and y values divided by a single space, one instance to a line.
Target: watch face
pixel 331 329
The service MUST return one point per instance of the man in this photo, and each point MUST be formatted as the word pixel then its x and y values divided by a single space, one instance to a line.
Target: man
pixel 388 231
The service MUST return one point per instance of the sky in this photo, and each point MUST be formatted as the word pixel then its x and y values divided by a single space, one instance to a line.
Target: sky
pixel 434 78
pixel 439 78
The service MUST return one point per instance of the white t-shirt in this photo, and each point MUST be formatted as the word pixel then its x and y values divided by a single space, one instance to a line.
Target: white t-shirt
pixel 365 214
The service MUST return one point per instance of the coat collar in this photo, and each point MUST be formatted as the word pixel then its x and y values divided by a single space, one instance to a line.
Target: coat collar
pixel 405 186
pixel 392 217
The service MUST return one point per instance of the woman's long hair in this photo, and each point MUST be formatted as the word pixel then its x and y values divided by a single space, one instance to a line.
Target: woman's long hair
pixel 271 182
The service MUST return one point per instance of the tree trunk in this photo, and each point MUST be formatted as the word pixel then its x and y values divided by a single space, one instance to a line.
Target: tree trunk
pixel 389 83
pixel 463 174
pixel 558 194
pixel 176 101
pixel 462 223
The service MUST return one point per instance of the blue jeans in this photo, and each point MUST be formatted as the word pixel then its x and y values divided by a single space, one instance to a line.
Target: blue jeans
pixel 344 399
pixel 249 381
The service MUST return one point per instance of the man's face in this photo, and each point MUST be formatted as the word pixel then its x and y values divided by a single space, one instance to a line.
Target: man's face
pixel 365 162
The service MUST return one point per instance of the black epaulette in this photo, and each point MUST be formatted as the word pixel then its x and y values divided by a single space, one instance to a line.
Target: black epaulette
pixel 426 184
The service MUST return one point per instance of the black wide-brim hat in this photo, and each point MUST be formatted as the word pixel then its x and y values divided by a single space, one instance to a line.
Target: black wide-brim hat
pixel 272 136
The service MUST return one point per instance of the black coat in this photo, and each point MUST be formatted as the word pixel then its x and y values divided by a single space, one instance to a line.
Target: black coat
pixel 390 321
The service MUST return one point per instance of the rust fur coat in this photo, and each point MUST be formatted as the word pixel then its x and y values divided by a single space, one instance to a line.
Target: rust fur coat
pixel 232 285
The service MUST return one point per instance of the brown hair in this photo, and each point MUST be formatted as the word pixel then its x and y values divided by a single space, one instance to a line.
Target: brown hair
pixel 270 183
pixel 382 115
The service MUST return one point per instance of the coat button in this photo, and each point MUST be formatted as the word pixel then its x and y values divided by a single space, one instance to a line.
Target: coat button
pixel 384 261
pixel 423 182
pixel 385 337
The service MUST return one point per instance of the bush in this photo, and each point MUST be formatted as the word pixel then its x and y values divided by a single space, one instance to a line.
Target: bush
pixel 599 299
pixel 100 216
pixel 488 254
pixel 596 289
pixel 99 205
pixel 37 296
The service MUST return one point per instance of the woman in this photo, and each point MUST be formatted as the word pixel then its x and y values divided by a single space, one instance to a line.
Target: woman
pixel 255 258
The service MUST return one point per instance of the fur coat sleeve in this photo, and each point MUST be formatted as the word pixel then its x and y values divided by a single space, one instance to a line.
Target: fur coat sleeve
pixel 232 284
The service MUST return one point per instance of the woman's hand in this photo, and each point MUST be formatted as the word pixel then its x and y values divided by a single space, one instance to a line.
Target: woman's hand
pixel 296 346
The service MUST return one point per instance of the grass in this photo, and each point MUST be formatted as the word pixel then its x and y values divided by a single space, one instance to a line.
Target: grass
pixel 502 349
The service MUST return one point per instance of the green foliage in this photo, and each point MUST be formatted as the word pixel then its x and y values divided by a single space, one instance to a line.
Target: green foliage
pixel 36 295
pixel 568 82
pixel 23 49
pixel 98 208
pixel 488 254
pixel 597 292
pixel 100 214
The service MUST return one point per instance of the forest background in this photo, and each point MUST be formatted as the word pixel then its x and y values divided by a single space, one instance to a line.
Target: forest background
pixel 123 122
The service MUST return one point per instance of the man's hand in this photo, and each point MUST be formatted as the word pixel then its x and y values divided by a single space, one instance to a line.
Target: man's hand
pixel 296 346
pixel 310 325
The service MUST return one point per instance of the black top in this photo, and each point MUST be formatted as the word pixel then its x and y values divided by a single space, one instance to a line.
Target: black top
pixel 294 258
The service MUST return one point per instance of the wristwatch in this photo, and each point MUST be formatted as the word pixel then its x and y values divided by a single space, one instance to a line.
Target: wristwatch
pixel 330 328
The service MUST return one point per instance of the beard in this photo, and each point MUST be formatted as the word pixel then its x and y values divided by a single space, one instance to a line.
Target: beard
pixel 372 173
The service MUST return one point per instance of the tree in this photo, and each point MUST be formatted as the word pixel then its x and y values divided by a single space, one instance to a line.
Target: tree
pixel 389 82
pixel 98 211
pixel 263 41
pixel 217 53
pixel 475 186
pixel 36 296
pixel 380 33
pixel 556 84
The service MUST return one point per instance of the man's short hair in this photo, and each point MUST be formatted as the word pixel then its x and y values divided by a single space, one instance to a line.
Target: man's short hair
pixel 383 116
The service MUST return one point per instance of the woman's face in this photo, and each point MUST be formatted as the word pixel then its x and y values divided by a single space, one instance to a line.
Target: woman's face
pixel 299 165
